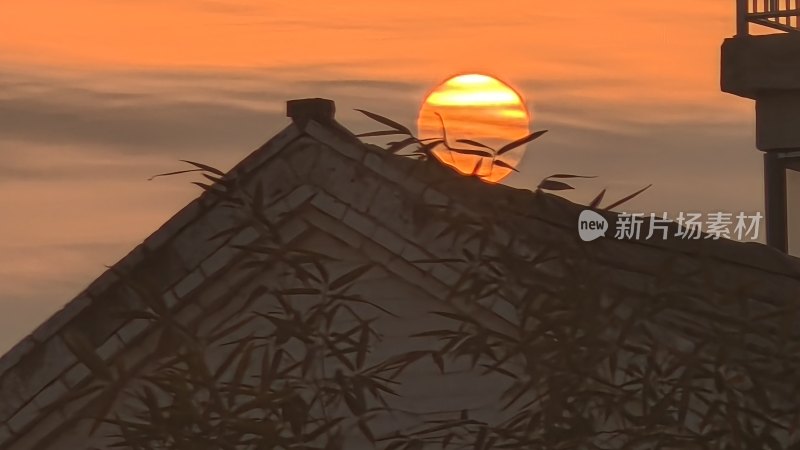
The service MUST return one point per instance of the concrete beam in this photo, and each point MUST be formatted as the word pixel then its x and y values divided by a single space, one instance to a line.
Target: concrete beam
pixel 778 120
pixel 754 64
pixel 767 69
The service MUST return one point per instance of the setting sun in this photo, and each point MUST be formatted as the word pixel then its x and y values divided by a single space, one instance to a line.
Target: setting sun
pixel 479 108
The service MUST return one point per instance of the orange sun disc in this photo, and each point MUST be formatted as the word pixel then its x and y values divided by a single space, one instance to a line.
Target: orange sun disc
pixel 478 108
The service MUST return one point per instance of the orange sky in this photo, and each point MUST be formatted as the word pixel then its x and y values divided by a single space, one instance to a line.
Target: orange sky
pixel 652 41
pixel 96 96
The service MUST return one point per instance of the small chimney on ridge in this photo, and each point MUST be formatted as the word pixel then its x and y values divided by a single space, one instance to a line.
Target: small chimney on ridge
pixel 302 110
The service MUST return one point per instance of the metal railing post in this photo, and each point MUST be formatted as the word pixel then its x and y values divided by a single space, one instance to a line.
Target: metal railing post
pixel 741 18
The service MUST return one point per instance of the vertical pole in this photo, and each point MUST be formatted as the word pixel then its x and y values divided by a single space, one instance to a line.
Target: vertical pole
pixel 741 18
pixel 787 4
pixel 775 201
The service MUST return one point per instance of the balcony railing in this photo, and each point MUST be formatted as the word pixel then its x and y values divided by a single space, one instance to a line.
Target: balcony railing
pixel 783 15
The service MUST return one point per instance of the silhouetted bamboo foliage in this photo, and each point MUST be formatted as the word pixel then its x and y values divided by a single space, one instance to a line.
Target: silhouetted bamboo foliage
pixel 300 376
pixel 591 366
pixel 585 363
pixel 425 148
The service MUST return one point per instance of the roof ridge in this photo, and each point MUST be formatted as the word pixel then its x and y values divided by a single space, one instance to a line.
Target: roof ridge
pixel 542 205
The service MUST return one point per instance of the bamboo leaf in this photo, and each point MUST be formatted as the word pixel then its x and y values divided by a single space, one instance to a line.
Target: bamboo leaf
pixel 173 173
pixel 228 361
pixel 426 148
pixel 355 299
pixel 241 369
pixel 205 167
pixel 300 291
pixel 474 143
pixel 395 147
pixel 204 186
pixel 258 197
pixel 505 165
pixel 216 179
pixel 326 426
pixel 464 151
pixel 552 185
pixel 363 345
pixel 349 277
pixel 519 142
pixel 228 231
pixel 437 260
pixel 362 425
pixel 595 203
pixel 627 198
pixel 437 359
pixel 444 129
pixel 380 133
pixel 142 315
pixel 477 168
pixel 388 122
pixel 274 367
pixel 454 316
pixel 566 175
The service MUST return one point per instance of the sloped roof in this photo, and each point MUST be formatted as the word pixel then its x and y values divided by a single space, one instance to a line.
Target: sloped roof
pixel 318 163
